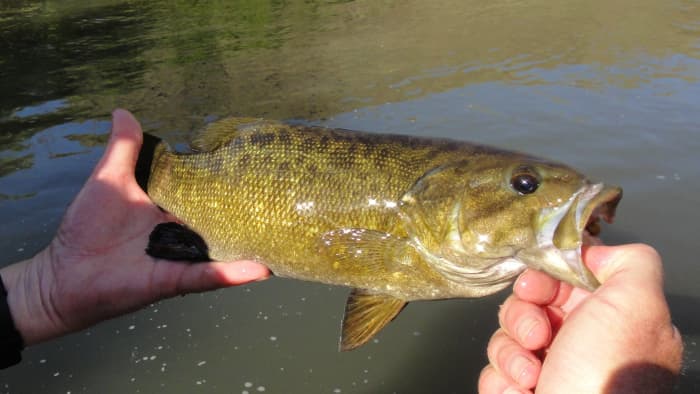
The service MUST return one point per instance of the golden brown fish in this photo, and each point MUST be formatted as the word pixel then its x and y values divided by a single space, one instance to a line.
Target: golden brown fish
pixel 395 218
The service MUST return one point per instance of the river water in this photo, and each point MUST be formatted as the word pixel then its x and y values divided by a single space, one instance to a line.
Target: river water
pixel 612 88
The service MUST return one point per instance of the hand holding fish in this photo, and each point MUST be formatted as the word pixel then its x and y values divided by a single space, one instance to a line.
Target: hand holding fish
pixel 96 268
pixel 558 338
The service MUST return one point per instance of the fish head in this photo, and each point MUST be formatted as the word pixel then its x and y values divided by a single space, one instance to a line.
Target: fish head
pixel 511 211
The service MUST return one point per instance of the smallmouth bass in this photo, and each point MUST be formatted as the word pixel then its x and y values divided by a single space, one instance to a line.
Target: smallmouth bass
pixel 395 218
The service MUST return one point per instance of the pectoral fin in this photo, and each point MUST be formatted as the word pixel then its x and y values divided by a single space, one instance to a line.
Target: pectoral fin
pixel 367 252
pixel 365 315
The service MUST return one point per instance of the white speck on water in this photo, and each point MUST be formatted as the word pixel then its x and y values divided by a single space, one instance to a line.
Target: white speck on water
pixel 245 392
pixel 42 361
pixel 337 391
pixel 375 340
pixel 248 384
pixel 159 347
pixel 20 249
pixel 303 299
pixel 661 177
pixel 416 333
pixel 144 358
pixel 131 327
pixel 152 358
pixel 273 338
pixel 132 379
pixel 199 364
pixel 261 388
pixel 56 374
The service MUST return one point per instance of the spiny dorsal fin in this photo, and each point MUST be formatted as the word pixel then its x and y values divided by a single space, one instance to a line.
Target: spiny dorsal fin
pixel 365 315
pixel 218 133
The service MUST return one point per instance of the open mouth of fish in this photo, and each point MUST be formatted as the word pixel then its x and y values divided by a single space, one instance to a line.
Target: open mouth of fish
pixel 603 208
pixel 569 227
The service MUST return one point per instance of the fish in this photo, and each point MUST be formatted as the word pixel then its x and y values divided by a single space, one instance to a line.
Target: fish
pixel 395 218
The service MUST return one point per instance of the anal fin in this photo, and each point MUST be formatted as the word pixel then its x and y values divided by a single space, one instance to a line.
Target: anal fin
pixel 173 241
pixel 365 315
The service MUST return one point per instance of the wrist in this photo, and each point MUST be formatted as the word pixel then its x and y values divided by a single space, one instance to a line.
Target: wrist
pixel 23 283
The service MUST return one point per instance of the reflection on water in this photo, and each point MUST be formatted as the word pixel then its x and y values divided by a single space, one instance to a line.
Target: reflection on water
pixel 611 88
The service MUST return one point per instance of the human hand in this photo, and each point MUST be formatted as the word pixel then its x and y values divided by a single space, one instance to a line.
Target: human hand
pixel 560 339
pixel 95 268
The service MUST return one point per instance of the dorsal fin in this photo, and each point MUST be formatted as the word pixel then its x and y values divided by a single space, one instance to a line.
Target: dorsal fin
pixel 218 133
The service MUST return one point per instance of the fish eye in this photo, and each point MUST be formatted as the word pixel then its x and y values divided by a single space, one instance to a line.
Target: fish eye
pixel 524 180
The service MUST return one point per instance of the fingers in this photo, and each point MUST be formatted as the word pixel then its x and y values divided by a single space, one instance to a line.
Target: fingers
pixel 512 365
pixel 526 323
pixel 123 147
pixel 536 287
pixel 491 381
pixel 541 289
pixel 238 272
pixel 175 278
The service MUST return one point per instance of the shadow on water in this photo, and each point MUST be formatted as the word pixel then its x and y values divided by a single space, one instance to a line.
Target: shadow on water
pixel 452 363
pixel 684 312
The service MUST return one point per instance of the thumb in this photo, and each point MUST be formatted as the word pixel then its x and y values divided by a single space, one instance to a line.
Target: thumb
pixel 176 278
pixel 123 147
pixel 634 265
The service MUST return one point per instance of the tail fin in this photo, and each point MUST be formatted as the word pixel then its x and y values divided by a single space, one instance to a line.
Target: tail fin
pixel 145 160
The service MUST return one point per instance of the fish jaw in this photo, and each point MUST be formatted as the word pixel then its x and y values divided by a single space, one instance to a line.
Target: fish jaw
pixel 563 231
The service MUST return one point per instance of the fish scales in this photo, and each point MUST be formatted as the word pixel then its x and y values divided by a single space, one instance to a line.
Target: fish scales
pixel 273 190
pixel 396 218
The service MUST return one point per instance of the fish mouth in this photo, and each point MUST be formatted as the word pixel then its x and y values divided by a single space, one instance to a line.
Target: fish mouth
pixel 603 206
pixel 566 229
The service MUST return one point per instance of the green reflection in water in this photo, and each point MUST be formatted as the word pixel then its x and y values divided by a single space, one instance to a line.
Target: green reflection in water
pixel 89 140
pixel 12 164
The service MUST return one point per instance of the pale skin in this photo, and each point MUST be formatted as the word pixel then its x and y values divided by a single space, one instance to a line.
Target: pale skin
pixel 554 338
pixel 96 268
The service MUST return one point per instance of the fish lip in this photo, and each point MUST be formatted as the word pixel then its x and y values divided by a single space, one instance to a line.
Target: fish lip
pixel 601 206
pixel 563 232
pixel 593 203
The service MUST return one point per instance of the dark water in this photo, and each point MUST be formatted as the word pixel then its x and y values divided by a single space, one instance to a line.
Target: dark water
pixel 609 87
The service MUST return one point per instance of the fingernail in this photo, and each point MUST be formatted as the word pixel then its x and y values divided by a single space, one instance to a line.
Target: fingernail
pixel 526 328
pixel 520 368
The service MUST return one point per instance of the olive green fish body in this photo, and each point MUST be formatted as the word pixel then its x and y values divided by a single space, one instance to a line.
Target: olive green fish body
pixel 309 201
pixel 396 218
